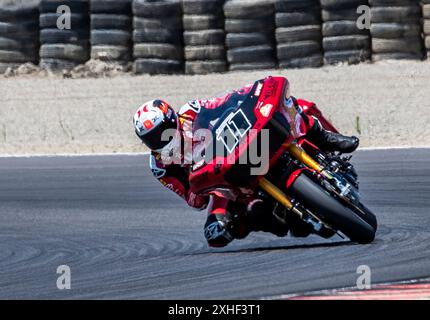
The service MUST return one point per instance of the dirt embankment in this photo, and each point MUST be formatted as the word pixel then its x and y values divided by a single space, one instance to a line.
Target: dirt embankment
pixel 386 104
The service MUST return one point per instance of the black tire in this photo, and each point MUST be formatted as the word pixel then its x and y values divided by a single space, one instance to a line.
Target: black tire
pixel 396 56
pixel 426 27
pixel 64 51
pixel 298 49
pixel 110 21
pixel 171 23
pixel 157 66
pixel 17 44
pixel 110 6
pixel 76 6
pixel 215 52
pixel 385 3
pixel 292 19
pixel 251 66
pixel 248 25
pixel 49 20
pixel 110 37
pixel 314 61
pixel 21 29
pixel 405 45
pixel 240 9
pixel 111 53
pixel 346 56
pixel 156 9
pixel 237 40
pixel 260 53
pixel 300 33
pixel 72 36
pixel 394 30
pixel 205 67
pixel 426 11
pixel 341 28
pixel 202 22
pixel 19 12
pixel 341 4
pixel 336 15
pixel 57 64
pixel 395 14
pixel 204 37
pixel 202 7
pixel 354 42
pixel 314 197
pixel 295 5
pixel 158 51
pixel 157 36
pixel 16 56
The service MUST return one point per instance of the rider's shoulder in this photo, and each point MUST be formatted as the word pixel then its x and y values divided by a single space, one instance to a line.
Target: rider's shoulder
pixel 191 107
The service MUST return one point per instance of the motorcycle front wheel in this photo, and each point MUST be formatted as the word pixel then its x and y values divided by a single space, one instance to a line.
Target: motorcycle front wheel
pixel 330 210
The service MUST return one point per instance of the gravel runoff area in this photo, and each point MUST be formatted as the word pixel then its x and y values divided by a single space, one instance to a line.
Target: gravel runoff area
pixel 386 104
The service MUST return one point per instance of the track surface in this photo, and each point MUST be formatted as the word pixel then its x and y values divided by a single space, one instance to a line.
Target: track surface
pixel 123 236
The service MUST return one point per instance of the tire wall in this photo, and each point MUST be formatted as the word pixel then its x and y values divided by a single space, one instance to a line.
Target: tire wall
pixel 67 46
pixel 110 35
pixel 206 36
pixel 19 35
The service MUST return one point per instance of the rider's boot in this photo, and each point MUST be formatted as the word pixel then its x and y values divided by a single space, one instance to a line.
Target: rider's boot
pixel 331 141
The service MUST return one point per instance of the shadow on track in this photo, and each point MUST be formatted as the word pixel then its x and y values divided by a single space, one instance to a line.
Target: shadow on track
pixel 274 248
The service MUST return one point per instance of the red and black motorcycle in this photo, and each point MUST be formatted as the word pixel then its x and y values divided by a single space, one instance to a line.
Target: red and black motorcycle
pixel 320 189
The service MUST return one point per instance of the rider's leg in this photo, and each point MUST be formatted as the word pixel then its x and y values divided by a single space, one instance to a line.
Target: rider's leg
pixel 321 132
pixel 260 217
pixel 331 141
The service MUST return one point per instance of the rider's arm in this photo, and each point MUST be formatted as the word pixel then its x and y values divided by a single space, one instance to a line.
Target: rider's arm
pixel 310 111
pixel 175 178
pixel 216 228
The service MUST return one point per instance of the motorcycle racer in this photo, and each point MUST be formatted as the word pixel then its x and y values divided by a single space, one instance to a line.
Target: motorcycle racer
pixel 226 220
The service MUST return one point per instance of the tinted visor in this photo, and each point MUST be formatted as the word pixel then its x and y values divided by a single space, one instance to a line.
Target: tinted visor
pixel 158 137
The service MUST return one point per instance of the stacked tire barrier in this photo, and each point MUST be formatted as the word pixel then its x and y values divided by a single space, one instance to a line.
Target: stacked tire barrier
pixel 396 29
pixel 19 35
pixel 63 47
pixel 298 33
pixel 204 36
pixel 426 25
pixel 343 40
pixel 250 28
pixel 111 30
pixel 157 35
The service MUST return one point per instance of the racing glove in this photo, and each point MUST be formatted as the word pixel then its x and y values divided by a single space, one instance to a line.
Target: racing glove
pixel 217 231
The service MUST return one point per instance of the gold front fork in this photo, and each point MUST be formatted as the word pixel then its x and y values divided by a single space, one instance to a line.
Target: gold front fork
pixel 279 196
pixel 301 155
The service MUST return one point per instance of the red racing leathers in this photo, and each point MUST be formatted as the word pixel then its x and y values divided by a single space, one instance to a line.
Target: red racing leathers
pixel 175 176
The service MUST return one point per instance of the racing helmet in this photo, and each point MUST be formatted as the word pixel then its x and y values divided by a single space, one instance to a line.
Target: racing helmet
pixel 151 120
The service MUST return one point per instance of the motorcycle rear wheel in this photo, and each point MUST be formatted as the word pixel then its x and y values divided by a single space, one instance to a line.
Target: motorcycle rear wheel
pixel 331 211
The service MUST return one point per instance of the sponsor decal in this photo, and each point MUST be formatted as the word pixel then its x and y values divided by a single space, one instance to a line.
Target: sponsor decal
pixel 265 110
pixel 148 124
pixel 198 165
pixel 258 89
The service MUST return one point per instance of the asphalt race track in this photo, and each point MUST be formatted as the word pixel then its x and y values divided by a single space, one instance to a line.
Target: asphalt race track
pixel 124 236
